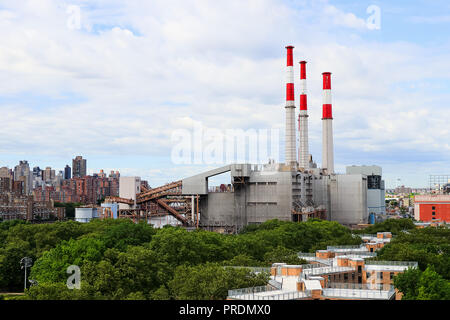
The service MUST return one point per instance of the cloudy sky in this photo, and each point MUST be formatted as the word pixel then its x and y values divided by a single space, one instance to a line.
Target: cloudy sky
pixel 113 80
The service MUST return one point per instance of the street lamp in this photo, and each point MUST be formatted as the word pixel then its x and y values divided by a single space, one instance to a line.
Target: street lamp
pixel 25 263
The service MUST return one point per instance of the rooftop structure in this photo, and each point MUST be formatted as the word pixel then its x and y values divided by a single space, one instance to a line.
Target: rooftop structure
pixel 331 275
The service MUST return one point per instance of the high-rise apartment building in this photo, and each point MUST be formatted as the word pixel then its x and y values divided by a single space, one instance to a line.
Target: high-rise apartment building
pixel 22 173
pixel 79 167
pixel 67 172
pixel 48 175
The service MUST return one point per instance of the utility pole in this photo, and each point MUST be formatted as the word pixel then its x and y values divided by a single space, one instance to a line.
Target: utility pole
pixel 25 263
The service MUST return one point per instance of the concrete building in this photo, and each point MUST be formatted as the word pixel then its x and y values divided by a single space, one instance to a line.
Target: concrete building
pixel 376 192
pixel 48 175
pixel 79 167
pixel 129 187
pixel 22 173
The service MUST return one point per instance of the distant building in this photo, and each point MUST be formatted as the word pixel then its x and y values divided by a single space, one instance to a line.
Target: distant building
pixel 403 189
pixel 432 208
pixel 67 172
pixel 79 167
pixel 22 173
pixel 48 175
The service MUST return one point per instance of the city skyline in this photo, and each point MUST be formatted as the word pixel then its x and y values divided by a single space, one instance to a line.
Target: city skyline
pixel 115 83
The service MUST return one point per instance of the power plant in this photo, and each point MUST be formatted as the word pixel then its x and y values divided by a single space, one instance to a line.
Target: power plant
pixel 292 191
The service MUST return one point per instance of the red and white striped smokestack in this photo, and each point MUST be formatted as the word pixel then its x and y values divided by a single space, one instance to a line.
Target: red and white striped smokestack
pixel 327 122
pixel 290 152
pixel 303 149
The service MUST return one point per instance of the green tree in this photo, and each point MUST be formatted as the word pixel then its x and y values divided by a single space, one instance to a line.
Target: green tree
pixel 281 254
pixel 211 281
pixel 422 285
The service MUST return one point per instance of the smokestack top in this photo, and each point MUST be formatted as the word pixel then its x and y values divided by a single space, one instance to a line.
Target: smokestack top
pixel 327 108
pixel 290 56
pixel 302 70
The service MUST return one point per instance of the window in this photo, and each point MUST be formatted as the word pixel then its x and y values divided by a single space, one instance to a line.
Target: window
pixel 433 208
pixel 381 275
pixel 359 279
pixel 345 276
pixel 392 275
pixel 433 213
pixel 359 269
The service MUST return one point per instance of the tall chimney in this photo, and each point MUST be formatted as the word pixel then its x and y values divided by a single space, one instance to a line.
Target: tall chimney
pixel 327 122
pixel 303 148
pixel 290 155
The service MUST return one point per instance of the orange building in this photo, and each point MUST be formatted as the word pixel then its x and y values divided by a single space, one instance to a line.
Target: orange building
pixel 432 208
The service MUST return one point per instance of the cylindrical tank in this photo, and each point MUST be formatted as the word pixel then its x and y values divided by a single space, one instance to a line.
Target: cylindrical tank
pixel 85 214
pixel 372 218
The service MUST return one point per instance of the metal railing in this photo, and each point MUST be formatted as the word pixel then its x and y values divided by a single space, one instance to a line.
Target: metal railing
pixel 306 254
pixel 412 264
pixel 344 247
pixel 323 270
pixel 292 295
pixel 359 286
pixel 358 294
pixel 251 290
pixel 252 269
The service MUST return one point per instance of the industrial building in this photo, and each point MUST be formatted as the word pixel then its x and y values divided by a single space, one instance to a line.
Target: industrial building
pixel 292 191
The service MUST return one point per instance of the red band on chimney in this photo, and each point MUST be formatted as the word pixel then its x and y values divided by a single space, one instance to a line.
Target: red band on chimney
pixel 326 80
pixel 290 92
pixel 303 102
pixel 326 112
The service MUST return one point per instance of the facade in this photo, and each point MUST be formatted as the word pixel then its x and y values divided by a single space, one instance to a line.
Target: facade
pixel 129 187
pixel 87 190
pixel 432 208
pixel 79 167
pixel 376 192
pixel 337 273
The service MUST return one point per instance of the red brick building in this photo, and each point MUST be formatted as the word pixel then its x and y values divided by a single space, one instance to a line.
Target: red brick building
pixel 87 190
pixel 429 208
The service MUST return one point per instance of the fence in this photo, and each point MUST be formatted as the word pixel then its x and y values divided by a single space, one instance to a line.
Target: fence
pixel 252 269
pixel 292 295
pixel 358 286
pixel 358 294
pixel 411 264
pixel 251 290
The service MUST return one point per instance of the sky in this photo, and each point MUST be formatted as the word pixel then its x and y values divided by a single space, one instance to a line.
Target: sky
pixel 113 80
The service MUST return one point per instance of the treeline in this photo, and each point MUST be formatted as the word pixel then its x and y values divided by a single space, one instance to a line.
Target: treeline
pixel 122 260
pixel 430 247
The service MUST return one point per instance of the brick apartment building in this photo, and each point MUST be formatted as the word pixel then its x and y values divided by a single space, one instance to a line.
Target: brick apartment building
pixel 337 273
pixel 87 190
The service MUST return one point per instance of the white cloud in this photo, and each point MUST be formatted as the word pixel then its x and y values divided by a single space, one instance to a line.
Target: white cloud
pixel 138 70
